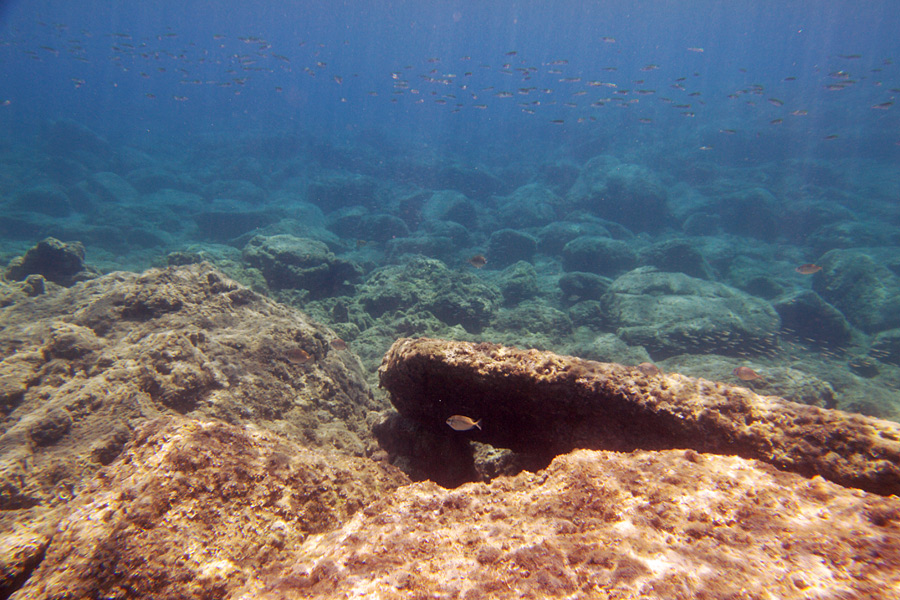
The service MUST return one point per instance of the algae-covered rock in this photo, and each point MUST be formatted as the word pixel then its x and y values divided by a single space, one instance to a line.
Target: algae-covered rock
pixel 865 291
pixel 456 298
pixel 289 262
pixel 80 366
pixel 519 282
pixel 541 404
pixel 628 194
pixel 55 261
pixel 196 509
pixel 599 255
pixel 651 525
pixel 671 313
pixel 508 246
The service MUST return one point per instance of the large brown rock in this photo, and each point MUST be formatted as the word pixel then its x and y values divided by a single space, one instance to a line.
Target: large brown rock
pixel 541 404
pixel 82 367
pixel 596 524
pixel 193 509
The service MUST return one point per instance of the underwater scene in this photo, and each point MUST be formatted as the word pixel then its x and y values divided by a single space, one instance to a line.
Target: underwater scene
pixel 449 299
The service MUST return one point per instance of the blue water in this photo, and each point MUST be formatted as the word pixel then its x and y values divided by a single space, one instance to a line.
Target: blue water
pixel 719 98
pixel 423 69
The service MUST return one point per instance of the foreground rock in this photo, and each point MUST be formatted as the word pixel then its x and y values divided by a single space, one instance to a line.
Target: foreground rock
pixel 653 525
pixel 195 509
pixel 541 404
pixel 82 367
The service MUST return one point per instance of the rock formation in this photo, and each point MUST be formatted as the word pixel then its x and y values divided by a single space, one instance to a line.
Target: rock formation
pixel 596 524
pixel 82 367
pixel 541 404
pixel 195 509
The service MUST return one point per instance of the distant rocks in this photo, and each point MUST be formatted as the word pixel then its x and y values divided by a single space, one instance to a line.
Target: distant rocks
pixel 425 284
pixel 335 189
pixel 806 315
pixel 599 255
pixel 866 292
pixel 55 261
pixel 672 313
pixel 539 404
pixel 289 262
pixel 628 194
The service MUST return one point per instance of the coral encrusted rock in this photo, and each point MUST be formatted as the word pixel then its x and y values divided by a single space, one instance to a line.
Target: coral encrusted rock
pixel 604 525
pixel 82 367
pixel 542 404
pixel 194 509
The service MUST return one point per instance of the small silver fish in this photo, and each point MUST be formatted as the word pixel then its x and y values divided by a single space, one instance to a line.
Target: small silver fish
pixel 463 423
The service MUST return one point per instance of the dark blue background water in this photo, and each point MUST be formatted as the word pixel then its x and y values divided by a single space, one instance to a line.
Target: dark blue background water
pixel 139 72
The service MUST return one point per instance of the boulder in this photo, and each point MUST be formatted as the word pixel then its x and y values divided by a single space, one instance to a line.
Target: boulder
pixel 449 205
pixel 110 187
pixel 529 206
pixel 334 190
pixel 289 262
pixel 49 199
pixel 677 256
pixel 583 286
pixel 518 283
pixel 477 183
pixel 628 194
pixel 55 261
pixel 425 284
pixel 235 189
pixel 671 313
pixel 752 213
pixel 806 315
pixel 600 255
pixel 508 246
pixel 865 291
pixel 541 404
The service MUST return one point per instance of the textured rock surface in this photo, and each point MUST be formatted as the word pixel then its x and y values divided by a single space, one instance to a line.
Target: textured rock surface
pixel 425 284
pixel 864 290
pixel 61 263
pixel 655 525
pixel 289 262
pixel 541 404
pixel 82 367
pixel 672 313
pixel 195 509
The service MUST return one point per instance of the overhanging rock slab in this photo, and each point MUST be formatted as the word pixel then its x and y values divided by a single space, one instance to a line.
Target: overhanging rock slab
pixel 543 404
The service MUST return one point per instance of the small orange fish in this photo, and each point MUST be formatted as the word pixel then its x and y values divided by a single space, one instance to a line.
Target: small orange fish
pixel 338 344
pixel 298 355
pixel 808 269
pixel 361 243
pixel 462 423
pixel 478 261
pixel 746 374
pixel 648 369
